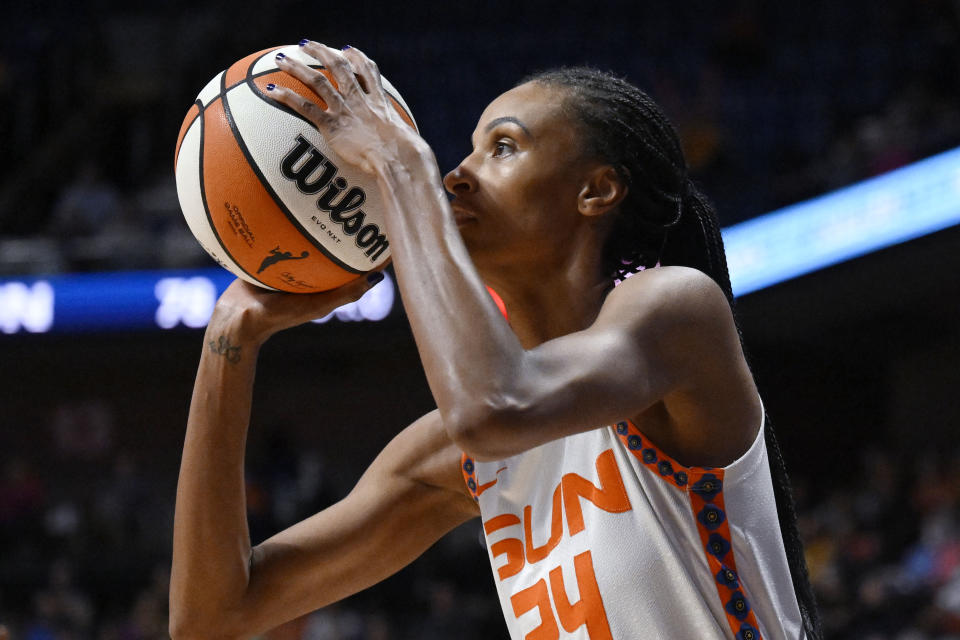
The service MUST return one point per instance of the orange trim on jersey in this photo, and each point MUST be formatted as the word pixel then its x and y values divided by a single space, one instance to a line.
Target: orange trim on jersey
pixel 499 302
pixel 704 488
pixel 469 470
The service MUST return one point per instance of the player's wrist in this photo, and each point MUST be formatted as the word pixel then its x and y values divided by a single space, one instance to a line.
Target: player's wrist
pixel 409 154
pixel 410 177
pixel 240 324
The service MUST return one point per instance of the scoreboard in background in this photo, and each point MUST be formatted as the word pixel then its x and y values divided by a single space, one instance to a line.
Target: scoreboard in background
pixel 130 300
pixel 896 207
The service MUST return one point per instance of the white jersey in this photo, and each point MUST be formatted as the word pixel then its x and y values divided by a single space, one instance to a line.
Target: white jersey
pixel 601 536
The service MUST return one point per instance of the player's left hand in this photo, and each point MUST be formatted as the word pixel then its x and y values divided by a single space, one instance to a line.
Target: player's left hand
pixel 359 122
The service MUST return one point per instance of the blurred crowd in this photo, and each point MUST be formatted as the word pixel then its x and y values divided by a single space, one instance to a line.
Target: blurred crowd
pixel 86 527
pixel 883 548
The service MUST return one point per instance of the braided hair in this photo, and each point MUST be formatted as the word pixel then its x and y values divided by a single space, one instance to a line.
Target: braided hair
pixel 665 219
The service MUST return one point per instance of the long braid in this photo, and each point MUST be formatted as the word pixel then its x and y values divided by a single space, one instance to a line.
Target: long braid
pixel 664 218
pixel 787 515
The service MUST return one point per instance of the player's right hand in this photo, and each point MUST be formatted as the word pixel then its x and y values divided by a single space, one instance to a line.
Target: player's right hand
pixel 257 313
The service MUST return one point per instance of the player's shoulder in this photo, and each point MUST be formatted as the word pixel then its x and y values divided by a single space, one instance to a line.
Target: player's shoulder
pixel 669 292
pixel 677 316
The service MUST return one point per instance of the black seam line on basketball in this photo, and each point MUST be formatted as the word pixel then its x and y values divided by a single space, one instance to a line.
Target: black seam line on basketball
pixel 206 209
pixel 249 81
pixel 252 76
pixel 199 105
pixel 273 103
pixel 222 76
pixel 274 195
pixel 176 153
pixel 399 103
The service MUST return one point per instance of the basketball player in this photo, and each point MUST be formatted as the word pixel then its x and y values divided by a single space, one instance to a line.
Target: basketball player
pixel 610 437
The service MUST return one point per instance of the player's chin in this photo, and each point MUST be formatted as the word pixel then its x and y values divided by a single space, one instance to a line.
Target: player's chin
pixel 473 239
pixel 469 230
pixel 485 251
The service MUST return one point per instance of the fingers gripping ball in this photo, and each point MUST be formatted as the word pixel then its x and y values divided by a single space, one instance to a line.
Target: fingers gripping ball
pixel 265 195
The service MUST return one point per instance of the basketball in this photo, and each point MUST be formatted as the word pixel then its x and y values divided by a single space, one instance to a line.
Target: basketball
pixel 265 195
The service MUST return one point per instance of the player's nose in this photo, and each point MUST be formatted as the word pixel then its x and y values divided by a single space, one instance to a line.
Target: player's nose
pixel 461 180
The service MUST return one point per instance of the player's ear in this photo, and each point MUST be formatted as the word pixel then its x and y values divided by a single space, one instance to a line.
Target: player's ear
pixel 602 190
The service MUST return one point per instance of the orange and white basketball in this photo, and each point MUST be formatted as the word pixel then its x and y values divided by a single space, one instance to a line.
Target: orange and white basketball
pixel 265 195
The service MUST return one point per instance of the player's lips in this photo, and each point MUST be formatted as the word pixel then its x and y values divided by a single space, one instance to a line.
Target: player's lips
pixel 462 214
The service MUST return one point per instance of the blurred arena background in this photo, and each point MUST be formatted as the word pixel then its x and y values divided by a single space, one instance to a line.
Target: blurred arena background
pixel 777 103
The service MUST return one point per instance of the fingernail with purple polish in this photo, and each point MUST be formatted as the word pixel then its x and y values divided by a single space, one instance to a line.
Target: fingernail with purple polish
pixel 271 87
pixel 303 42
pixel 280 56
pixel 347 47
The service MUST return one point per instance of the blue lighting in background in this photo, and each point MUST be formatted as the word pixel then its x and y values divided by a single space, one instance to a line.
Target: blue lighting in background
pixel 126 300
pixel 898 206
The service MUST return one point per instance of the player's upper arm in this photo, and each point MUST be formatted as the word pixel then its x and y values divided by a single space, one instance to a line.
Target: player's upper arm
pixel 409 497
pixel 656 333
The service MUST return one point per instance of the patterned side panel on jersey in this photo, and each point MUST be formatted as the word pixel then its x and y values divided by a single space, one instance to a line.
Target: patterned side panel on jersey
pixel 674 473
pixel 704 487
pixel 706 500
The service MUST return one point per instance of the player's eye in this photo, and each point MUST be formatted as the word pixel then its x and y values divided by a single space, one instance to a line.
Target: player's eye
pixel 502 148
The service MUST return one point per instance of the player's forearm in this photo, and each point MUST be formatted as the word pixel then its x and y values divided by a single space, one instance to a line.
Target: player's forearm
pixel 211 546
pixel 470 355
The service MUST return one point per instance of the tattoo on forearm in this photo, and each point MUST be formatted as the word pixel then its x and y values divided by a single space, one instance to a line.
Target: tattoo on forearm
pixel 222 347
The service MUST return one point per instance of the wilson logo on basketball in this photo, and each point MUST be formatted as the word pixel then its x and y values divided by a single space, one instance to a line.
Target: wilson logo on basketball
pixel 313 173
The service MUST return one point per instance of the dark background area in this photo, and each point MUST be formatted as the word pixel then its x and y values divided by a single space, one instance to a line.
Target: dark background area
pixel 776 103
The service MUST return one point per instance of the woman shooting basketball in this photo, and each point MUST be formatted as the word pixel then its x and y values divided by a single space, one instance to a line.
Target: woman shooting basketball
pixel 611 439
